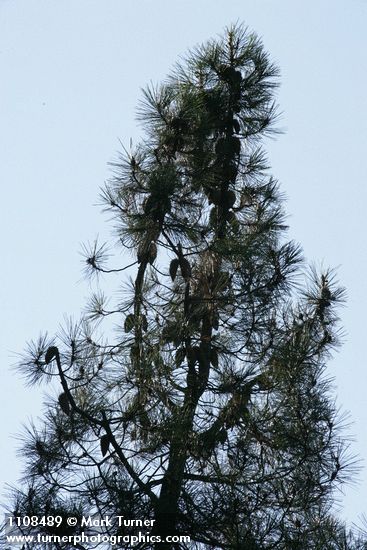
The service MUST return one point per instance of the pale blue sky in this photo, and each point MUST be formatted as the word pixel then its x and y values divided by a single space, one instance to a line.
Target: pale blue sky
pixel 71 73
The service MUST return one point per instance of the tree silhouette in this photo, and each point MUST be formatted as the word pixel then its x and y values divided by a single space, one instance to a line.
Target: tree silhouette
pixel 208 411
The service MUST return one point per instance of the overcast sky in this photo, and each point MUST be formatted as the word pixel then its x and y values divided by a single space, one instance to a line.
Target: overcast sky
pixel 71 74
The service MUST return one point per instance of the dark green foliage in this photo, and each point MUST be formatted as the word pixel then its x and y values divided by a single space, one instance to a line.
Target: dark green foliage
pixel 210 407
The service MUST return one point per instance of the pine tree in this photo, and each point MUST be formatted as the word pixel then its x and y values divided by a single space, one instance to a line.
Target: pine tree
pixel 209 410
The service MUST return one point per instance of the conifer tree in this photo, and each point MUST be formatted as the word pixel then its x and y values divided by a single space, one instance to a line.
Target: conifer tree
pixel 209 410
